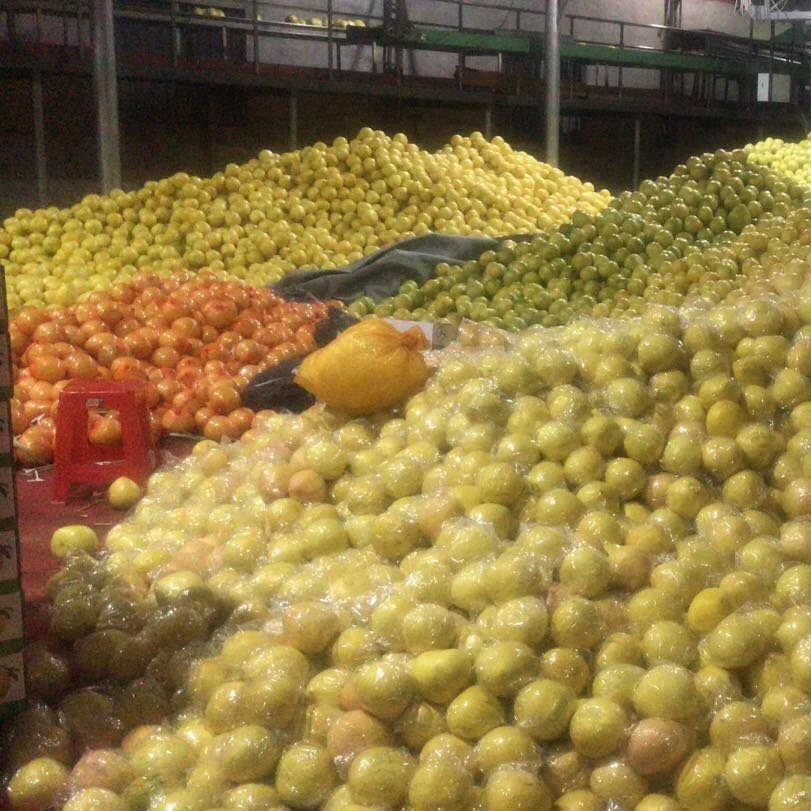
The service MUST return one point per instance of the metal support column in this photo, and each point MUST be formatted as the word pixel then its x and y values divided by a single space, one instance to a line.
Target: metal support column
pixel 255 36
pixel 104 76
pixel 176 42
pixel 39 139
pixel 637 150
pixel 460 60
pixel 329 38
pixel 210 130
pixel 488 120
pixel 293 121
pixel 552 65
pixel 673 13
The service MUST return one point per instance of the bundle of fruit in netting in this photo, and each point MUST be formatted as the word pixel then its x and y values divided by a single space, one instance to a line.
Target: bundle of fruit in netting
pixel 193 341
pixel 672 239
pixel 575 570
pixel 322 207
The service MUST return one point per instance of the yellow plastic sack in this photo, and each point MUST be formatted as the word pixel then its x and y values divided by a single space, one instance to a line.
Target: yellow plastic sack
pixel 369 367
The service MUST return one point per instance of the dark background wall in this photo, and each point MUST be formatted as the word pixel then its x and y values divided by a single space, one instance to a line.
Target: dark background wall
pixel 167 128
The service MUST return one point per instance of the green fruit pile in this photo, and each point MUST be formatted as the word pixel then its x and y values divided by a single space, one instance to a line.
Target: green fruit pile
pixel 649 245
pixel 320 207
pixel 575 570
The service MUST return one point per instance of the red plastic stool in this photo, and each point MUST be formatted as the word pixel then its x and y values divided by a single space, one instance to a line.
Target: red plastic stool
pixel 76 459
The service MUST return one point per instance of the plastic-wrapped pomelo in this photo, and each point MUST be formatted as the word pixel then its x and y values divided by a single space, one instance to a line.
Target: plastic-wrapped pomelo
pixel 598 727
pixel 440 783
pixel 246 753
pixel 37 785
pixel 791 794
pixel 252 797
pixel 473 713
pixel 752 773
pixel 668 691
pixel 512 788
pixel 369 367
pixel 657 802
pixel 794 744
pixel 580 800
pixel 380 776
pixel 503 745
pixel 700 784
pixel 95 799
pixel 543 708
pixel 658 746
pixel 304 776
pixel 440 675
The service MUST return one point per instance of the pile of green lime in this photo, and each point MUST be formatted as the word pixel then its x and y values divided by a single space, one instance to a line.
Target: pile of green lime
pixel 649 245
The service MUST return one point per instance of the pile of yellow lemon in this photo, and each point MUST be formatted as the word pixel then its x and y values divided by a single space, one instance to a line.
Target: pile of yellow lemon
pixel 322 206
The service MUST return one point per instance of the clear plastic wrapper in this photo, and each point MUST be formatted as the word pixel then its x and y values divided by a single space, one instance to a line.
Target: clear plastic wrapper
pixel 524 588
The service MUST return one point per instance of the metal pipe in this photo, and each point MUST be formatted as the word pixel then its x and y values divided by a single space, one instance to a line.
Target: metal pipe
pixel 637 149
pixel 105 79
pixel 39 139
pixel 552 64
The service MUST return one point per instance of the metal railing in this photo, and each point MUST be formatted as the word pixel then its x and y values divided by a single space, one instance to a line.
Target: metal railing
pixel 258 20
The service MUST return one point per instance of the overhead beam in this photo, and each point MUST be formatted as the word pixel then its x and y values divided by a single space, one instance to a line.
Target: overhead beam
pixel 106 89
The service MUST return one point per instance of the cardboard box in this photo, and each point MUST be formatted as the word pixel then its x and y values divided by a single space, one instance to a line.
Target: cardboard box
pixel 8 505
pixel 6 383
pixel 11 618
pixel 9 559
pixel 12 684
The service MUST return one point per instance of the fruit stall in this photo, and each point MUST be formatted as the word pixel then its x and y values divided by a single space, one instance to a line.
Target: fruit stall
pixel 533 533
